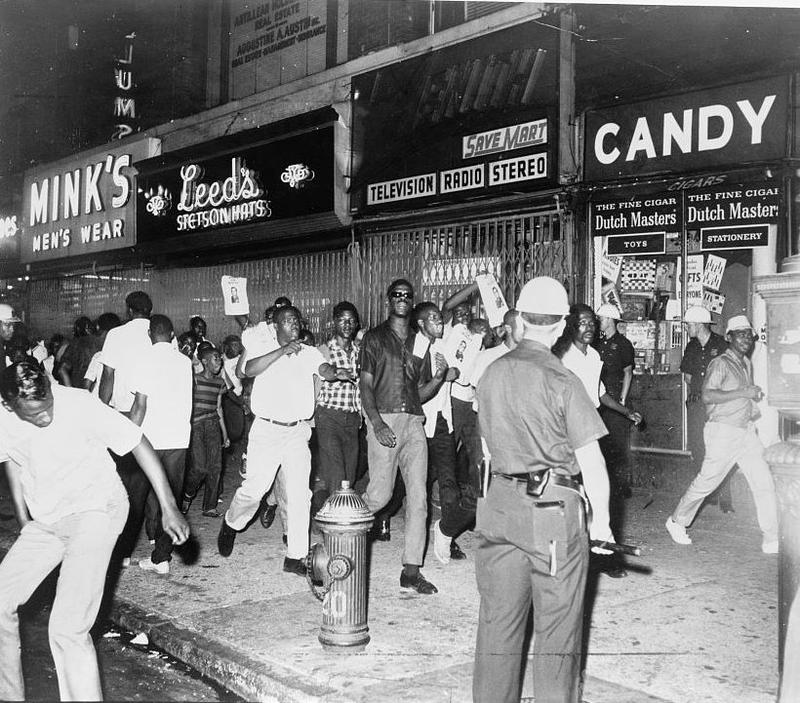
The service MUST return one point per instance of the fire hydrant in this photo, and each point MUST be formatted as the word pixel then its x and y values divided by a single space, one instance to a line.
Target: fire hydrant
pixel 340 564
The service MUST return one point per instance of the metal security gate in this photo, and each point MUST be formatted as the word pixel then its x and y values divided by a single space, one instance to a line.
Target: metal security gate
pixel 313 282
pixel 439 260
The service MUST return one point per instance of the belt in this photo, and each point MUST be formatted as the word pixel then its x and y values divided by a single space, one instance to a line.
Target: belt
pixel 282 424
pixel 556 479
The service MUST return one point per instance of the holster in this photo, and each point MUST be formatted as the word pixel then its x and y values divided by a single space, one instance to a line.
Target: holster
pixel 537 482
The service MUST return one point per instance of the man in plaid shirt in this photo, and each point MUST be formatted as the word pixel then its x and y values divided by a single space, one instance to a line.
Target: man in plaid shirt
pixel 338 413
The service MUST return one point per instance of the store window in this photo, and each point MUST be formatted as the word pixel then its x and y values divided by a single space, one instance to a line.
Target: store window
pixel 659 252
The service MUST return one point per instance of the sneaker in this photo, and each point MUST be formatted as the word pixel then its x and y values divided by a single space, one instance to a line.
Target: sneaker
pixel 441 543
pixel 126 562
pixel 243 469
pixel 294 566
pixel 770 547
pixel 225 539
pixel 151 541
pixel 417 583
pixel 148 564
pixel 677 532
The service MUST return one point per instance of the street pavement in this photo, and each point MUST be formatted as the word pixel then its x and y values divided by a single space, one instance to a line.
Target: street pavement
pixel 689 623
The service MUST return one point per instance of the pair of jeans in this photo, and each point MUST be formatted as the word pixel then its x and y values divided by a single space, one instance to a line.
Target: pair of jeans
pixel 410 455
pixel 456 517
pixel 82 544
pixel 206 449
pixel 337 439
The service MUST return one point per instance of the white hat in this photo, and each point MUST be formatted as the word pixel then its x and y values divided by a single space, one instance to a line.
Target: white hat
pixel 697 313
pixel 738 322
pixel 609 310
pixel 543 296
pixel 7 314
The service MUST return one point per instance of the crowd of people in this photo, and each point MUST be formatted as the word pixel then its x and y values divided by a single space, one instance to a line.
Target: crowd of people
pixel 511 431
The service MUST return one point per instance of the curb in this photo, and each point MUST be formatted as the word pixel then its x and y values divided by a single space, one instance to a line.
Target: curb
pixel 267 681
pixel 252 679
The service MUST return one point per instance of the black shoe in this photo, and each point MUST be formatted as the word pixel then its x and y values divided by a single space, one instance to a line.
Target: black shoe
pixel 417 583
pixel 268 516
pixel 381 531
pixel 225 539
pixel 455 551
pixel 294 566
pixel 608 564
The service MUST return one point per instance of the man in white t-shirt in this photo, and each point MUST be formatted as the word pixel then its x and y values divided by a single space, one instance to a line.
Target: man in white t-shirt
pixel 71 506
pixel 456 515
pixel 123 347
pixel 282 401
pixel 162 407
pixel 485 357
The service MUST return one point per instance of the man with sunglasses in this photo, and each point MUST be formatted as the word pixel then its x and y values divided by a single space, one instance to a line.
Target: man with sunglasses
pixel 395 380
pixel 730 436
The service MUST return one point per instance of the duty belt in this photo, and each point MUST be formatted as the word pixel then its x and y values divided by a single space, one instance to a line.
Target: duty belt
pixel 536 481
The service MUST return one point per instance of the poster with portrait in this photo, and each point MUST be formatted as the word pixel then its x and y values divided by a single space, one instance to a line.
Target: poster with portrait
pixel 461 347
pixel 234 293
pixel 492 297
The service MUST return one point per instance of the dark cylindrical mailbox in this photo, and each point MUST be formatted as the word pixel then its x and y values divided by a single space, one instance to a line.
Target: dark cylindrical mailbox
pixel 340 563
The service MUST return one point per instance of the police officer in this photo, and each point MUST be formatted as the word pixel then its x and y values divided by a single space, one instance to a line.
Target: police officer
pixel 616 352
pixel 541 430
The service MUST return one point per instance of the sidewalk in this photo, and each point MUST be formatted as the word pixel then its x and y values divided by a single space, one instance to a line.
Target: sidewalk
pixel 696 623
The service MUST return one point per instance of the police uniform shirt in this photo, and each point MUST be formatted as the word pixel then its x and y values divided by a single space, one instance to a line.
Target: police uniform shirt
pixel 697 357
pixel 534 412
pixel 616 353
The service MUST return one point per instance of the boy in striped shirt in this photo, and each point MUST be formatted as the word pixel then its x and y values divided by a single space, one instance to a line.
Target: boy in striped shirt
pixel 209 435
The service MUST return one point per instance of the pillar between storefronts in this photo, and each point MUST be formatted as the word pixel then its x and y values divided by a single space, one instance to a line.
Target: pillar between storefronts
pixel 780 294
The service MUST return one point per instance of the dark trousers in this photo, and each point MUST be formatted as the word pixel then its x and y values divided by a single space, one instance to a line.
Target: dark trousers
pixel 456 517
pixel 337 441
pixel 465 431
pixel 529 555
pixel 174 463
pixel 137 487
pixel 206 449
pixel 616 448
pixel 139 492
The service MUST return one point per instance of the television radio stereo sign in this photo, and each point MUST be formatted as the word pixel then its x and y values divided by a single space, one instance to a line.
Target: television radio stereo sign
pixel 487 174
pixel 82 205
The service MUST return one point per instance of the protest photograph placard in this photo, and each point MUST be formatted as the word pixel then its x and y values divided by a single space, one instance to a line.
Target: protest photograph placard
pixel 234 293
